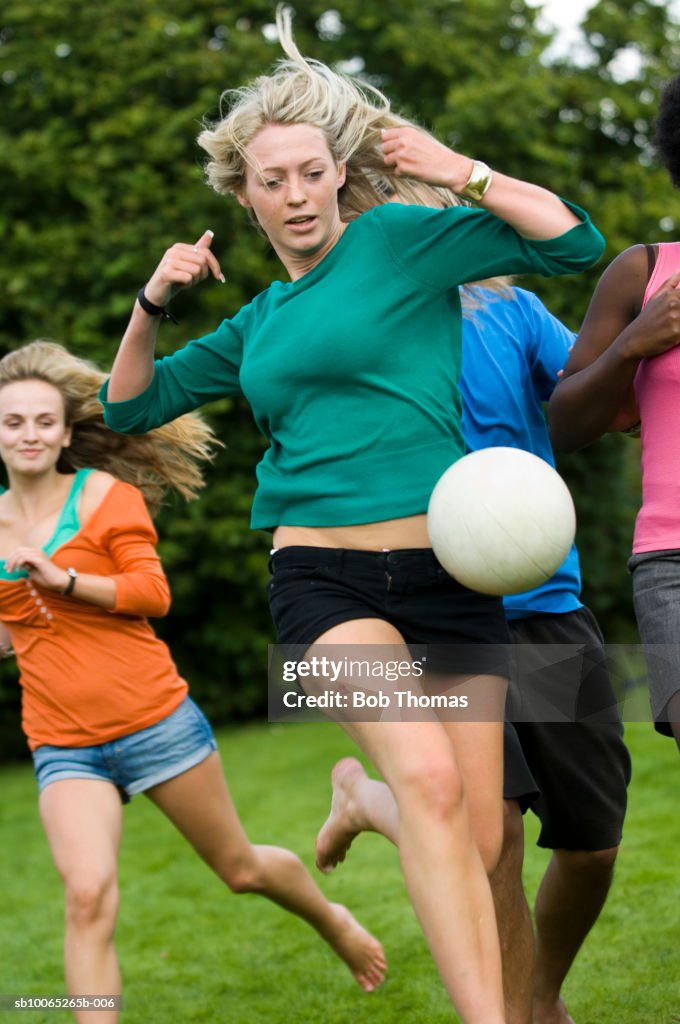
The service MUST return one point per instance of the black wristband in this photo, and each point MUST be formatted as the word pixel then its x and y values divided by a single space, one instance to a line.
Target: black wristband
pixel 72 577
pixel 152 309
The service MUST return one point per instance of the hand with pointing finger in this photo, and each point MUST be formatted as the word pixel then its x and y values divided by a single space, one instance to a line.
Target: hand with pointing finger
pixel 182 266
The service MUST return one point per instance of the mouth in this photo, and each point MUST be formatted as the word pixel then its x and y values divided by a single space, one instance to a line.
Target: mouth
pixel 303 221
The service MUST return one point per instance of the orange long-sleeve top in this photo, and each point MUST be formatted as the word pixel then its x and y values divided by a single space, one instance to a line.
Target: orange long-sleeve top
pixel 90 675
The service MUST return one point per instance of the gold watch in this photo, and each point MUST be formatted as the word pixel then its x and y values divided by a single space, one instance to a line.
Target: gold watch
pixel 478 183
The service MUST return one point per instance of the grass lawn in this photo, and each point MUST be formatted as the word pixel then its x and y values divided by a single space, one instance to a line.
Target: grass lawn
pixel 191 951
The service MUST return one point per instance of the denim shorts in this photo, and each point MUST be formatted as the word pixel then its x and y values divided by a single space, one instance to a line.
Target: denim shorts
pixel 135 762
pixel 656 595
pixel 313 589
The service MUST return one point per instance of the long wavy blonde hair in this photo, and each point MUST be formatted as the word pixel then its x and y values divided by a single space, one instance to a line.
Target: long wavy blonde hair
pixel 351 115
pixel 168 458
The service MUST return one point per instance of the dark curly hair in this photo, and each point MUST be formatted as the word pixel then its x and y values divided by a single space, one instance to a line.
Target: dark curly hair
pixel 667 136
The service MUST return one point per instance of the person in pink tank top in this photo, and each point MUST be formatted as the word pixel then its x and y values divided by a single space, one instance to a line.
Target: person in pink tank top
pixel 624 372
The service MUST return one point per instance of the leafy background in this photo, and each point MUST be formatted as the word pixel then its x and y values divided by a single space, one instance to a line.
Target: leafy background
pixel 100 106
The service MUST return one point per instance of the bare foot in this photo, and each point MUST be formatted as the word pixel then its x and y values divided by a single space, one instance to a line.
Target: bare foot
pixel 551 1013
pixel 362 953
pixel 336 836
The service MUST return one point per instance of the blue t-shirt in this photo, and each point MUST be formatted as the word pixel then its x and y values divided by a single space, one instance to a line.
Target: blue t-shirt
pixel 512 351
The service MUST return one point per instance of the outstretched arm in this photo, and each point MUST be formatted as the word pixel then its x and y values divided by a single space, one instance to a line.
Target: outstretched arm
pixel 182 266
pixel 534 212
pixel 595 393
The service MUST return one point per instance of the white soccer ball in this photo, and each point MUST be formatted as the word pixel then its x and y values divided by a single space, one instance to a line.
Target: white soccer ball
pixel 501 520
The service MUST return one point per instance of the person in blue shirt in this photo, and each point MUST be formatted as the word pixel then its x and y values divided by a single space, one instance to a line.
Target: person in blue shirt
pixel 513 350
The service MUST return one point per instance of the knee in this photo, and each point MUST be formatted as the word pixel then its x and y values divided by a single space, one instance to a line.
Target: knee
pixel 91 899
pixel 244 879
pixel 511 854
pixel 242 874
pixel 498 833
pixel 490 843
pixel 433 791
pixel 513 829
pixel 433 788
pixel 595 865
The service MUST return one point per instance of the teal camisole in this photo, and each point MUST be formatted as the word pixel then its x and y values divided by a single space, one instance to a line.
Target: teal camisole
pixel 67 526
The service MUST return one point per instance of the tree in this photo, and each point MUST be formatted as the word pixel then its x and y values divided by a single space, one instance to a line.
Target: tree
pixel 100 172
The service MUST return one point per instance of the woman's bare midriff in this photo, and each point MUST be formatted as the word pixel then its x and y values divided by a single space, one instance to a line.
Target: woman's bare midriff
pixel 389 535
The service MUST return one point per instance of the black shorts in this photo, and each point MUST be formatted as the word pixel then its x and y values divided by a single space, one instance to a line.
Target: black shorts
pixel 582 767
pixel 313 589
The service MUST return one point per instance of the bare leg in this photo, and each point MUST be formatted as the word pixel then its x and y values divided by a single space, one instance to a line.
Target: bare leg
pixel 360 804
pixel 83 821
pixel 514 920
pixel 478 749
pixel 198 802
pixel 440 858
pixel 569 900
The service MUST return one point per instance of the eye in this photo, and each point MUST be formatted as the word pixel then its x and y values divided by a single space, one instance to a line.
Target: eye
pixel 272 183
pixel 315 175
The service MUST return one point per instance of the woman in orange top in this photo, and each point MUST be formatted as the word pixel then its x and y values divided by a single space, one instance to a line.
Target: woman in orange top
pixel 104 709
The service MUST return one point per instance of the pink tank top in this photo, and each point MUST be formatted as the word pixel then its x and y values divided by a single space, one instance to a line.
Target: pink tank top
pixel 657 389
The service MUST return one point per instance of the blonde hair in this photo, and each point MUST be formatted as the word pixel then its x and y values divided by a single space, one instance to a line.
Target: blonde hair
pixel 168 458
pixel 351 115
pixel 475 295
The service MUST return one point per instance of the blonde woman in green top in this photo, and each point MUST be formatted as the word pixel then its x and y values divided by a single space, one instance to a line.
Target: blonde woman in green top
pixel 350 368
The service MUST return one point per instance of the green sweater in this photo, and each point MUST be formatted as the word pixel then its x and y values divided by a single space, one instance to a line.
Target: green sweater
pixel 352 370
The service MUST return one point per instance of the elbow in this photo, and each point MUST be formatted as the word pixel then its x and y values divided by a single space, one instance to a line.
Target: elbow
pixel 124 426
pixel 157 600
pixel 115 423
pixel 564 439
pixel 160 607
pixel 589 253
pixel 561 442
pixel 149 598
pixel 578 264
pixel 596 249
pixel 128 414
pixel 561 427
